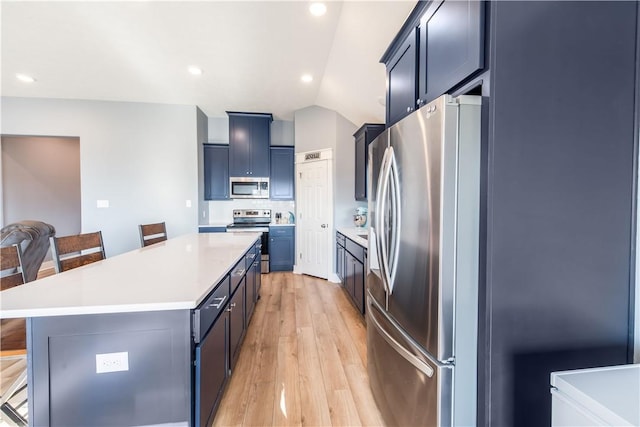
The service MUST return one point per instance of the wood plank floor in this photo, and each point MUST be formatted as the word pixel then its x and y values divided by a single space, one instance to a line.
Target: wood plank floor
pixel 303 360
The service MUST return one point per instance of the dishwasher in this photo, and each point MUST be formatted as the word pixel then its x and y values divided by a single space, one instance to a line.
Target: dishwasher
pixel 210 336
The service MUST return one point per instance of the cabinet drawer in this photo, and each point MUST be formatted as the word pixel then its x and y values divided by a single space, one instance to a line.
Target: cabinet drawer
pixel 280 231
pixel 250 257
pixel 209 310
pixel 237 273
pixel 356 250
pixel 340 239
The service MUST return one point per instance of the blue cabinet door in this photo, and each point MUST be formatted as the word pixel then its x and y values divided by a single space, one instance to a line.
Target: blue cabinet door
pixel 451 47
pixel 260 143
pixel 216 172
pixel 363 136
pixel 211 371
pixel 282 174
pixel 401 80
pixel 239 145
pixel 281 248
pixel 249 141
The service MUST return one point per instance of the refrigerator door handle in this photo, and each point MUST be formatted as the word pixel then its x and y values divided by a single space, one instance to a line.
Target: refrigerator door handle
pixel 406 354
pixel 395 226
pixel 381 194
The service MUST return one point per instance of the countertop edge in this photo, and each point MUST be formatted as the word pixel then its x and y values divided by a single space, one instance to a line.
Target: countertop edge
pixel 350 233
pixel 178 304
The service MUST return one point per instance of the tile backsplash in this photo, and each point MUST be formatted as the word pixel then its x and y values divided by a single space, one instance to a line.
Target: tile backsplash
pixel 222 211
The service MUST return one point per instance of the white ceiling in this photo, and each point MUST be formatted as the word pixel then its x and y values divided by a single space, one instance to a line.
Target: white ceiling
pixel 252 53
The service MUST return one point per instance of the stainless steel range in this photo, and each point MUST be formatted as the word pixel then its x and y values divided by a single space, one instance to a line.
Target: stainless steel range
pixel 254 220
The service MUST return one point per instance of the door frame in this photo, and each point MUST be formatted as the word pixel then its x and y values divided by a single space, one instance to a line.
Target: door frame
pixel 305 157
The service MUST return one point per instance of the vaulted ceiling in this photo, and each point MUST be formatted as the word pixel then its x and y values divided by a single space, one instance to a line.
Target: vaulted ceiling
pixel 252 53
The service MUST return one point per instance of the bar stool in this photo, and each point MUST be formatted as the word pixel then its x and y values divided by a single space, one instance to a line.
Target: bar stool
pixel 152 233
pixel 13 342
pixel 75 251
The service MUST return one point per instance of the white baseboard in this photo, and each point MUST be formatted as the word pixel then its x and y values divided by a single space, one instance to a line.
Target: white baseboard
pixel 333 278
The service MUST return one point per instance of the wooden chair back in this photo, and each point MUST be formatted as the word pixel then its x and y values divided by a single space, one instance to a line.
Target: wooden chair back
pixel 152 233
pixel 11 267
pixel 75 251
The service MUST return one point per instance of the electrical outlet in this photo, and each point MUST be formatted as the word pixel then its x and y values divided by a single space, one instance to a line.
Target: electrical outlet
pixel 112 362
pixel 102 203
pixel 188 203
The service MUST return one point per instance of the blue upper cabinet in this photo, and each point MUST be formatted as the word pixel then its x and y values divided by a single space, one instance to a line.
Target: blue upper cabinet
pixel 451 46
pixel 249 141
pixel 216 172
pixel 401 80
pixel 282 173
pixel 363 136
pixel 440 47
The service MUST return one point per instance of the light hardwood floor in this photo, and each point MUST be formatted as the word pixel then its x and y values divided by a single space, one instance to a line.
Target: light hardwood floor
pixel 303 360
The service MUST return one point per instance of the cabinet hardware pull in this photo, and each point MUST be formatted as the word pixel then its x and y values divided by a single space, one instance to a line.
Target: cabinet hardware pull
pixel 220 302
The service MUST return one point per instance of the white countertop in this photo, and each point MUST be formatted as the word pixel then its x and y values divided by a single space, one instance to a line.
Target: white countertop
pixel 355 234
pixel 610 393
pixel 175 274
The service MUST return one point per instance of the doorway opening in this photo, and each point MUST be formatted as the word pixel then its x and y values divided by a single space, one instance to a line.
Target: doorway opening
pixel 40 180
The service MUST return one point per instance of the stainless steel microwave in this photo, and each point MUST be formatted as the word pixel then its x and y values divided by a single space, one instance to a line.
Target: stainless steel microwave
pixel 249 188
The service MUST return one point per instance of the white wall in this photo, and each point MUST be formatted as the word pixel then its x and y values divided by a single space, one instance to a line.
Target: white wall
pixel 141 157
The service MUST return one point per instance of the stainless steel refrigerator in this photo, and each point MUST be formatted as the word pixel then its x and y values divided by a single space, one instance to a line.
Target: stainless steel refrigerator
pixel 422 275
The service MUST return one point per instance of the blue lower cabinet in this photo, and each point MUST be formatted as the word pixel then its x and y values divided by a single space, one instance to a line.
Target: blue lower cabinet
pixel 281 248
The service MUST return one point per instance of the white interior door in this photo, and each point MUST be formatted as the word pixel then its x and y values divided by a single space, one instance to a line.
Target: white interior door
pixel 314 203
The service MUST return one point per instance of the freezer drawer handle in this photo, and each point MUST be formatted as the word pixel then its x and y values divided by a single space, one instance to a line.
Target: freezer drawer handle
pixel 417 363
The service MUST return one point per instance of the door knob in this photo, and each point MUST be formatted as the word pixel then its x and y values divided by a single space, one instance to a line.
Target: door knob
pixel 324 226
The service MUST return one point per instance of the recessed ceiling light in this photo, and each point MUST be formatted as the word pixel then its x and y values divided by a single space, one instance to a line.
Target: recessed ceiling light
pixel 307 78
pixel 25 78
pixel 318 9
pixel 195 70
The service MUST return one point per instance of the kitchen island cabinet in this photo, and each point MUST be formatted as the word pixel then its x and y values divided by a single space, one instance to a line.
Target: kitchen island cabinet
pixel 127 330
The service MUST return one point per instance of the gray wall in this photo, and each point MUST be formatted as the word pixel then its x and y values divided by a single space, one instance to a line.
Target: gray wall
pixel 281 131
pixel 140 157
pixel 41 181
pixel 318 128
pixel 202 136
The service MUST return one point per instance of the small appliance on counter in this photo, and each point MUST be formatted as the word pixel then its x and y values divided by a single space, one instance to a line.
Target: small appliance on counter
pixel 360 217
pixel 284 218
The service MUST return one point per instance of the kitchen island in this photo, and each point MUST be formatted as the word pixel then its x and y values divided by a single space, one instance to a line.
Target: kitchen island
pixel 118 342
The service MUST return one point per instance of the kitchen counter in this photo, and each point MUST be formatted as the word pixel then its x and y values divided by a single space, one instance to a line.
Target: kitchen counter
pixel 356 234
pixel 126 331
pixel 175 274
pixel 273 224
